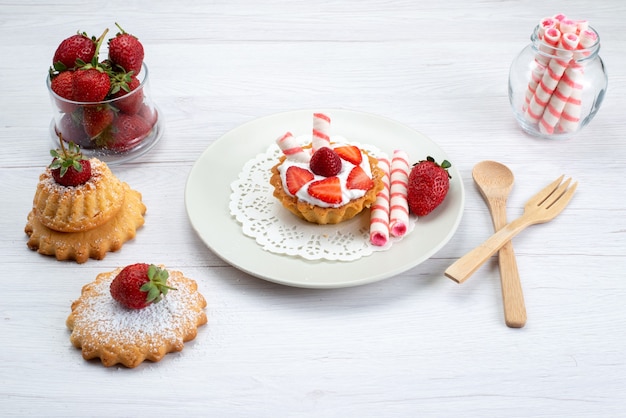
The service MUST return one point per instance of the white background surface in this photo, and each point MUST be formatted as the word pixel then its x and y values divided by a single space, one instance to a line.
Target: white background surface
pixel 416 344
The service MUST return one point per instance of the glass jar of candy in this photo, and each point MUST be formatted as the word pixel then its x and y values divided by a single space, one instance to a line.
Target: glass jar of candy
pixel 557 83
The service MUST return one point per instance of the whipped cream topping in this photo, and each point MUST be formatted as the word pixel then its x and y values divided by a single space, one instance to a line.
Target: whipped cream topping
pixel 346 167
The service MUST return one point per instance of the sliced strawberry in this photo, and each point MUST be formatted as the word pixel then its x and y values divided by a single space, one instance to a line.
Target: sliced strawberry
pixel 327 190
pixel 358 179
pixel 350 153
pixel 296 177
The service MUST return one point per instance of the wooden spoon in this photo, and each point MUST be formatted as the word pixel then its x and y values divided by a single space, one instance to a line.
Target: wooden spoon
pixel 495 182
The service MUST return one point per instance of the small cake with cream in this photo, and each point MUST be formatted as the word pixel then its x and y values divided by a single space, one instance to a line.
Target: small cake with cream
pixel 325 182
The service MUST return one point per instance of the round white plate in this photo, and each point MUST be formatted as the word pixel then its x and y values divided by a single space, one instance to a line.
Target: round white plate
pixel 207 195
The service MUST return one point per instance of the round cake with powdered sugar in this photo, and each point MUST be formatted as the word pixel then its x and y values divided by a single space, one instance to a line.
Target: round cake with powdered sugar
pixel 81 210
pixel 103 328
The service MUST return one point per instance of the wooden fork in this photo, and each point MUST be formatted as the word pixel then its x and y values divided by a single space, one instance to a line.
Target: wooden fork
pixel 542 207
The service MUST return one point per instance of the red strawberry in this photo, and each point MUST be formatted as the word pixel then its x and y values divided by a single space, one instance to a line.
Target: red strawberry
pixel 296 177
pixel 90 84
pixel 149 114
pixel 63 85
pixel 96 119
pixel 428 185
pixel 350 153
pixel 325 162
pixel 71 129
pixel 358 179
pixel 127 131
pixel 68 166
pixel 327 190
pixel 79 47
pixel 126 51
pixel 139 285
pixel 124 87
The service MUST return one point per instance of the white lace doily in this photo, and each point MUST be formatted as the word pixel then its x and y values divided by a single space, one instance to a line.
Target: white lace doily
pixel 277 230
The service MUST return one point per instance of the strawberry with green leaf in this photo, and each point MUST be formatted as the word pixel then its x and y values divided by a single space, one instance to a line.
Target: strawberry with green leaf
pixel 91 82
pixel 76 48
pixel 96 119
pixel 126 51
pixel 428 185
pixel 69 167
pixel 137 286
pixel 125 88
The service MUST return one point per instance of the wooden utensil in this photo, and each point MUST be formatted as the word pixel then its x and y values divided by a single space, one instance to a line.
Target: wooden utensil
pixel 495 181
pixel 542 207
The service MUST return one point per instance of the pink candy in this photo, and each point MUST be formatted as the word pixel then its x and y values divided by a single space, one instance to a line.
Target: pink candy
pixel 321 131
pixel 379 213
pixel 292 150
pixel 555 89
pixel 399 207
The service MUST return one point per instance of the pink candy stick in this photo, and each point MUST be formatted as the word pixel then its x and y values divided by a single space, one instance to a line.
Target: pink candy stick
pixel 582 25
pixel 568 26
pixel 587 39
pixel 399 207
pixel 554 71
pixel 545 24
pixel 292 150
pixel 379 213
pixel 570 117
pixel 550 40
pixel 321 131
pixel 559 99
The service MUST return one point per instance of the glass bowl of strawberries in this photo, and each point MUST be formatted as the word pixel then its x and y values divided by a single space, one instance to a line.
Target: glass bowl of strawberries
pixel 103 105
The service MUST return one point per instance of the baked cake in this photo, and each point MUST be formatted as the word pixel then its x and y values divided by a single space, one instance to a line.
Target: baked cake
pixel 84 213
pixel 104 328
pixel 324 182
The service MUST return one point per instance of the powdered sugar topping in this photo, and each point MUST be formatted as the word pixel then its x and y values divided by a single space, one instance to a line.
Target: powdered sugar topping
pixel 102 318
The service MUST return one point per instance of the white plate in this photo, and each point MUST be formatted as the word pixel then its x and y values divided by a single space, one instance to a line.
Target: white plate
pixel 207 195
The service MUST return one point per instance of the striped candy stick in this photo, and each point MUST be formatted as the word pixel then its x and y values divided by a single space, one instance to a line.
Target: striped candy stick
pixel 567 25
pixel 379 214
pixel 551 116
pixel 321 131
pixel 554 71
pixel 582 25
pixel 399 207
pixel 550 39
pixel 570 117
pixel 292 150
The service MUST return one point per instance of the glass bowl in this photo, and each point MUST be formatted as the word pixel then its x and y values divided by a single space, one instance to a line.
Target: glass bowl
pixel 132 123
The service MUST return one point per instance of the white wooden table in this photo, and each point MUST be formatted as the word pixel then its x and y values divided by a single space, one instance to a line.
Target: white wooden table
pixel 416 344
